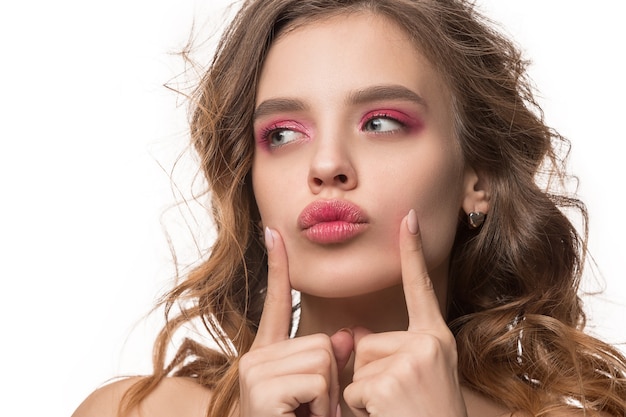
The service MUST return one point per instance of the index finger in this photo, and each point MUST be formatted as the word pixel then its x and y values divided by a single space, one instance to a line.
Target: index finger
pixel 276 316
pixel 421 301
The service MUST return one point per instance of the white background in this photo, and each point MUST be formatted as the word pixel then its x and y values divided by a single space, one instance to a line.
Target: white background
pixel 85 126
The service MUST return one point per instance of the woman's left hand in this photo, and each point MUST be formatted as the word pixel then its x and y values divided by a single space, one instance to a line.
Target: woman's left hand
pixel 414 372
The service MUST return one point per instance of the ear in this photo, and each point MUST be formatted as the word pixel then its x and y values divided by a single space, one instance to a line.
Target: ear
pixel 476 195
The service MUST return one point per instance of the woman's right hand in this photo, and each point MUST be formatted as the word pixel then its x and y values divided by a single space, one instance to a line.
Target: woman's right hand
pixel 280 376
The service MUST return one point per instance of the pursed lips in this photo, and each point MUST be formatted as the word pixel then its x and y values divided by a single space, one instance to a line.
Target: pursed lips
pixel 332 221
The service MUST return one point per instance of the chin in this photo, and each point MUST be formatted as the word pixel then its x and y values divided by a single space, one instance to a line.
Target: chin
pixel 343 285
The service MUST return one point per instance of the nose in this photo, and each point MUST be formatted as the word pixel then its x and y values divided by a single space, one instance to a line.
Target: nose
pixel 331 167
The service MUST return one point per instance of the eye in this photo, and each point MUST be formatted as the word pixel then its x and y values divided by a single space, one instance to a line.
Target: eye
pixel 382 124
pixel 282 136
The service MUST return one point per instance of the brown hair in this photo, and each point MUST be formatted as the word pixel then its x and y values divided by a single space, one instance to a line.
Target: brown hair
pixel 514 305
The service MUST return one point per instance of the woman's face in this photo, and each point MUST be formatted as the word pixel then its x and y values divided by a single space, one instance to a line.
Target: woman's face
pixel 353 127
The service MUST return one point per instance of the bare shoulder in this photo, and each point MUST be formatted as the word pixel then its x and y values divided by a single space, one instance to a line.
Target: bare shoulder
pixel 173 397
pixel 480 406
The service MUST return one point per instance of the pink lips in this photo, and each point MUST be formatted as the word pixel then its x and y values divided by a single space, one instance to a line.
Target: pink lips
pixel 331 221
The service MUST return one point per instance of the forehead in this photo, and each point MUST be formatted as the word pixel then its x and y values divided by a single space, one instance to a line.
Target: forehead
pixel 345 51
pixel 340 54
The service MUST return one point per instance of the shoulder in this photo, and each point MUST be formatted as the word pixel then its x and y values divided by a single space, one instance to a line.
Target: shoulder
pixel 173 396
pixel 480 406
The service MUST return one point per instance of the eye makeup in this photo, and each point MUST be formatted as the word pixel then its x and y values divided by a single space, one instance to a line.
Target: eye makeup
pixel 281 130
pixel 277 133
pixel 394 121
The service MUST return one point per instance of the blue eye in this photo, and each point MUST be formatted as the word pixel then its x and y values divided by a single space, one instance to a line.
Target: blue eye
pixel 279 137
pixel 382 124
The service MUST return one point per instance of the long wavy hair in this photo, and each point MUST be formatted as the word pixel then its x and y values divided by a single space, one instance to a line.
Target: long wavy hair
pixel 514 305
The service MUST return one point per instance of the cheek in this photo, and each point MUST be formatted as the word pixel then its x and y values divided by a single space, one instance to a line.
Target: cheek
pixel 262 194
pixel 439 218
pixel 274 190
pixel 261 188
pixel 434 188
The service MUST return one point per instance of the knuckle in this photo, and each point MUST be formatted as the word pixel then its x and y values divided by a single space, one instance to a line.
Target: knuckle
pixel 245 362
pixel 248 369
pixel 429 350
pixel 321 359
pixel 425 282
pixel 321 340
pixel 411 369
pixel 449 341
pixel 401 369
pixel 385 388
pixel 319 384
pixel 430 347
pixel 425 351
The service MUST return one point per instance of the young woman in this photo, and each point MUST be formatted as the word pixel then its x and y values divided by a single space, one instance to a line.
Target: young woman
pixel 387 160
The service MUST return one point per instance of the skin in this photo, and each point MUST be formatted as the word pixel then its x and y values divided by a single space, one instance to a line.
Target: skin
pixel 372 340
pixel 404 166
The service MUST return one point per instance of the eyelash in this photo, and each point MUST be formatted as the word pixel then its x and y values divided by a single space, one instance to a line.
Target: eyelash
pixel 370 117
pixel 267 132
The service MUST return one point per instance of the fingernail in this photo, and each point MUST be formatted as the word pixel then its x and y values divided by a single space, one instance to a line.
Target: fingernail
pixel 269 239
pixel 411 222
pixel 338 413
pixel 347 330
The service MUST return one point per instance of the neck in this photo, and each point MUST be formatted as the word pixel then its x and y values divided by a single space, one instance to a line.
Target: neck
pixel 381 311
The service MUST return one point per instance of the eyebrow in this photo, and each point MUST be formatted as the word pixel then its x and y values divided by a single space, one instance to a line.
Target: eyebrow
pixel 385 92
pixel 367 95
pixel 278 105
